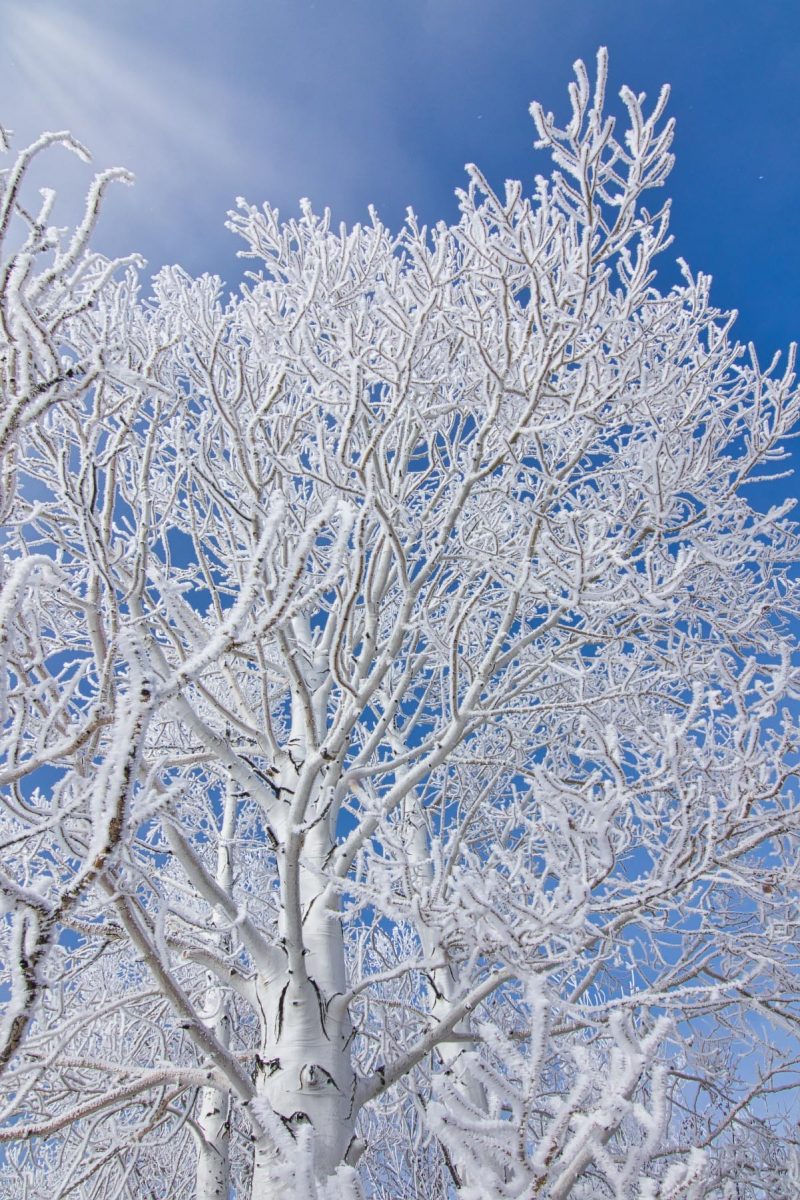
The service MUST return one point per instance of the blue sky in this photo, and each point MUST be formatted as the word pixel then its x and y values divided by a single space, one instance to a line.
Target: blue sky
pixel 354 102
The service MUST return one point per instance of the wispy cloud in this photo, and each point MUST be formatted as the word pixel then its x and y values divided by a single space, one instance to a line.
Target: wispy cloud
pixel 203 105
pixel 130 105
pixel 115 90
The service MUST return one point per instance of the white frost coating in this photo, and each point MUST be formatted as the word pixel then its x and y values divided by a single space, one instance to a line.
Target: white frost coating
pixel 399 723
pixel 225 635
pixel 35 568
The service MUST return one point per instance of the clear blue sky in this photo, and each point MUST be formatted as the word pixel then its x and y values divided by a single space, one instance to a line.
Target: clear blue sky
pixel 354 102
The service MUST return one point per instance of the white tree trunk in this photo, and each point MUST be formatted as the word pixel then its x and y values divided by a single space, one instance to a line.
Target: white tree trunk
pixel 213 1161
pixel 213 1156
pixel 304 1074
pixel 445 987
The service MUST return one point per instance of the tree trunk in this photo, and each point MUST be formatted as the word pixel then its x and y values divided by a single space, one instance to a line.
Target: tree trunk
pixel 213 1155
pixel 213 1158
pixel 444 989
pixel 304 1076
pixel 305 1081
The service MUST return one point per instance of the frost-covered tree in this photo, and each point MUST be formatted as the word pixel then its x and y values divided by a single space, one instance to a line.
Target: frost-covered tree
pixel 396 713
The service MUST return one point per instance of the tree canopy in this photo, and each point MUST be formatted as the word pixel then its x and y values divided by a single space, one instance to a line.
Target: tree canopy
pixel 398 706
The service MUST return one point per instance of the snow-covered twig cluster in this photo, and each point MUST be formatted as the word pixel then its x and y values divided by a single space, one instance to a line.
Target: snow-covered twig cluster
pixel 397 708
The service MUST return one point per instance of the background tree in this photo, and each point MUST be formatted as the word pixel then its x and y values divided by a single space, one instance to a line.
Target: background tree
pixel 398 748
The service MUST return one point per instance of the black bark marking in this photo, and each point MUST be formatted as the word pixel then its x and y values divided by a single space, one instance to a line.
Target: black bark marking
pixel 437 993
pixel 295 1121
pixel 322 1007
pixel 281 1002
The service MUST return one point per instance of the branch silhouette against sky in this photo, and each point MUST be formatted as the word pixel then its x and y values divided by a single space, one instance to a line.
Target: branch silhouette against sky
pixel 398 623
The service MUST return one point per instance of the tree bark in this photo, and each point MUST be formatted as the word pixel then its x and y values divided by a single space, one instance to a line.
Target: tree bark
pixel 304 1075
pixel 304 1079
pixel 213 1155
